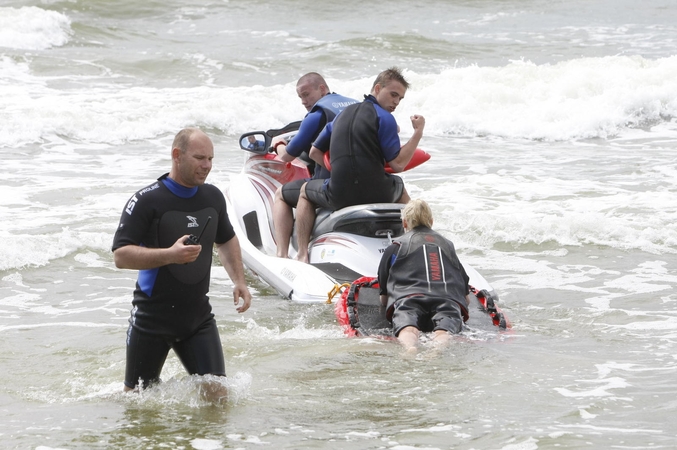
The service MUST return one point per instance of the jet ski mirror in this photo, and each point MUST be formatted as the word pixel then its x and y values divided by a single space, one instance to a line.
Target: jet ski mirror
pixel 255 142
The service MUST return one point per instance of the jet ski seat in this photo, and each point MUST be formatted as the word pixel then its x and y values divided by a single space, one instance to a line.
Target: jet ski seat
pixel 372 220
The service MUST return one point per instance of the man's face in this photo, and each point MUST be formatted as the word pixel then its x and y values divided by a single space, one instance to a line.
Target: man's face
pixel 194 165
pixel 390 95
pixel 310 94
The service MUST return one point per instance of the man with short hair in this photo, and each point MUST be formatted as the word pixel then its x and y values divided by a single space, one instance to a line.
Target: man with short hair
pixel 322 106
pixel 171 309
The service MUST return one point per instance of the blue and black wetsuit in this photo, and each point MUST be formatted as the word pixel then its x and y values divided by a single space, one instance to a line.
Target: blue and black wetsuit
pixel 362 139
pixel 322 113
pixel 171 308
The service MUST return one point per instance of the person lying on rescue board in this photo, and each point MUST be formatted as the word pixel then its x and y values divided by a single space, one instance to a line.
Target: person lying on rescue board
pixel 422 282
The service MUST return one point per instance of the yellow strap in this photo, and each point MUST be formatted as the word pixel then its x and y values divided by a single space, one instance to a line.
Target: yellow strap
pixel 336 290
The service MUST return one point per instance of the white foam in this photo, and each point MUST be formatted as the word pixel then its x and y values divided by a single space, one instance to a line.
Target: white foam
pixel 32 250
pixel 528 444
pixel 256 332
pixel 581 98
pixel 612 430
pixel 206 444
pixel 409 447
pixel 58 324
pixel 33 28
pixel 565 210
pixel 434 429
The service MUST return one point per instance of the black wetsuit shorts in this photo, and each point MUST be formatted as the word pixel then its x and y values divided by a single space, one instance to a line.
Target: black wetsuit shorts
pixel 292 190
pixel 200 354
pixel 320 195
pixel 427 314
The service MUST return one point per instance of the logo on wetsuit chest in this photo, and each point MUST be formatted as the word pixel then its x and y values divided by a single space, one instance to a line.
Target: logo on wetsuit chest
pixel 193 222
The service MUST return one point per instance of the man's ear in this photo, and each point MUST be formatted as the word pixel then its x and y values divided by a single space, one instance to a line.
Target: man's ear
pixel 175 153
pixel 404 223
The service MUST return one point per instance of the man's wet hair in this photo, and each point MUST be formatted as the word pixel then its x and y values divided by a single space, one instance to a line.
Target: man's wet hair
pixel 388 75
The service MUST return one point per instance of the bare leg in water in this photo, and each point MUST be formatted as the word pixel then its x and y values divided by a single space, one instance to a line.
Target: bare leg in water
pixel 305 219
pixel 213 391
pixel 283 219
pixel 408 337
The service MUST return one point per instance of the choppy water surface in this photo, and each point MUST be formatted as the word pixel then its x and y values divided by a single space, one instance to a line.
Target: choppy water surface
pixel 553 138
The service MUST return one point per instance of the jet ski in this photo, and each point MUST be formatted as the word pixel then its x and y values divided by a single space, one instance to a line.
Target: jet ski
pixel 345 245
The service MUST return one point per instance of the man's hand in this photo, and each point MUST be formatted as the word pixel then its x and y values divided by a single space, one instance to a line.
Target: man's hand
pixel 138 257
pixel 418 122
pixel 184 254
pixel 407 151
pixel 241 292
pixel 230 256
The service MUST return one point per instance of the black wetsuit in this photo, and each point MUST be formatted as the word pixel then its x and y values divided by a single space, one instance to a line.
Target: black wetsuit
pixel 170 305
pixel 362 139
pixel 425 282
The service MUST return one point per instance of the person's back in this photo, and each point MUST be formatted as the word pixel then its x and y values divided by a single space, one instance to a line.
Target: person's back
pixel 426 264
pixel 357 161
pixel 422 281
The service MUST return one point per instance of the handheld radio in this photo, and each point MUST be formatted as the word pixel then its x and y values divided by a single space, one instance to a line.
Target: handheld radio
pixel 195 240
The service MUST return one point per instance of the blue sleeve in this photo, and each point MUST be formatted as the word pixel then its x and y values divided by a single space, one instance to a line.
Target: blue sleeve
pixel 387 135
pixel 324 138
pixel 302 141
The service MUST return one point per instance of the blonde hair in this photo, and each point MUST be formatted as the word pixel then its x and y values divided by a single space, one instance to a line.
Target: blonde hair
pixel 388 75
pixel 417 212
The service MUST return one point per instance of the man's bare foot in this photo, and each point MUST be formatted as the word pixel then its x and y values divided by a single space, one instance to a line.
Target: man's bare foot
pixel 303 258
pixel 410 352
pixel 214 391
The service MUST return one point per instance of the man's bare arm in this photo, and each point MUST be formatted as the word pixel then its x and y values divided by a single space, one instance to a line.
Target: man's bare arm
pixel 230 256
pixel 407 151
pixel 136 257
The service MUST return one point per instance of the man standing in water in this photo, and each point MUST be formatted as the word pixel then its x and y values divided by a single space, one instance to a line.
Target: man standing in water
pixel 422 282
pixel 322 106
pixel 362 139
pixel 156 236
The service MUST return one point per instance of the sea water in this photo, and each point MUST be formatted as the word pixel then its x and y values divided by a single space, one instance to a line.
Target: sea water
pixel 552 127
